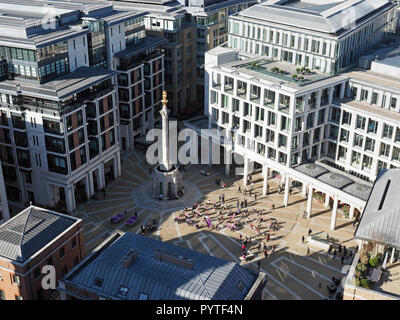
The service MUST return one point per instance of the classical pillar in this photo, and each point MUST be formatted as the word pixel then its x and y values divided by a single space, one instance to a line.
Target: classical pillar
pixel 227 168
pixel 286 196
pixel 115 167
pixel 309 201
pixel 265 183
pixel 245 170
pixel 334 212
pixel 304 190
pixel 69 198
pixel 119 164
pixel 327 198
pixel 91 183
pixel 392 256
pixel 102 178
pixel 210 148
pixel 87 186
pixel 351 214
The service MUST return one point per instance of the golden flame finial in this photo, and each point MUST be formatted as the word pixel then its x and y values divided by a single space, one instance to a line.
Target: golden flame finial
pixel 164 100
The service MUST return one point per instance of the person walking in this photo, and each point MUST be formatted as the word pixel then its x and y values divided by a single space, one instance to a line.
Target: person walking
pixel 268 237
pixel 342 260
pixel 302 239
pixel 258 265
pixel 327 236
pixel 334 254
pixel 239 190
pixel 273 207
pixel 273 249
pixel 309 232
pixel 330 249
pixel 308 251
pixel 265 252
pixel 255 196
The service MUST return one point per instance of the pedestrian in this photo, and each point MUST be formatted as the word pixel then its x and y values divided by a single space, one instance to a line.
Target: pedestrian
pixel 308 251
pixel 342 260
pixel 259 247
pixel 240 237
pixel 304 214
pixel 273 207
pixel 249 241
pixel 309 231
pixel 258 264
pixel 245 203
pixel 273 249
pixel 265 252
pixel 239 190
pixel 255 196
pixel 268 237
pixel 333 254
pixel 243 247
pixel 302 239
pixel 330 249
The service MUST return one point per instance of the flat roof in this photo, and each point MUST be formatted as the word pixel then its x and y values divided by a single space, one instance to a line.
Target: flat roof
pixel 330 176
pixel 210 278
pixel 380 220
pixel 29 231
pixel 374 111
pixel 62 87
pixel 375 79
pixel 138 48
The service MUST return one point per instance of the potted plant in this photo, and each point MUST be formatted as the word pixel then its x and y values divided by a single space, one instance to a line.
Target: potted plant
pixel 281 71
pixel 294 76
pixel 298 70
pixel 300 78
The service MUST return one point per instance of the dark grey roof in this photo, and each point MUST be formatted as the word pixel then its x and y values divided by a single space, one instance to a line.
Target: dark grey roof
pixel 30 230
pixel 311 169
pixel 62 87
pixel 380 220
pixel 210 278
pixel 361 191
pixel 147 43
pixel 335 180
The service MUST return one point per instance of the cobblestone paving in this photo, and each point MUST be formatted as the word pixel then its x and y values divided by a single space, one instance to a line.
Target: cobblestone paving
pixel 290 272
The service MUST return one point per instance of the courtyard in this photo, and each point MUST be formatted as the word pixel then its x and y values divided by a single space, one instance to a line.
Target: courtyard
pixel 291 273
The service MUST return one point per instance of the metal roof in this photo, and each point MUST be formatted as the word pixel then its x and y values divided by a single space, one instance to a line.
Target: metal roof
pixel 211 277
pixel 30 230
pixel 62 87
pixel 331 19
pixel 311 169
pixel 359 190
pixel 335 180
pixel 380 220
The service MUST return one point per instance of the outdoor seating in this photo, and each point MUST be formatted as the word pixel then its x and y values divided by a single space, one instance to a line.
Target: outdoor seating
pixel 132 220
pixel 118 217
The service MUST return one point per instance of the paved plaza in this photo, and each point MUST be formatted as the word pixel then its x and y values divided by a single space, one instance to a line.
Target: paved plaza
pixel 290 272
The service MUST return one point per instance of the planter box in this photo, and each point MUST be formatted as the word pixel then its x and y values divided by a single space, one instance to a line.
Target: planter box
pixel 317 243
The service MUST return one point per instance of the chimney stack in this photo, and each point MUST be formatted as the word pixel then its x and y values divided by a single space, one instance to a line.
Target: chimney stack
pixel 129 258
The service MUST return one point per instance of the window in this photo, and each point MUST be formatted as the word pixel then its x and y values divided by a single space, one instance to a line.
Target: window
pixel 367 162
pixel 61 252
pixel 360 122
pixel 358 140
pixel 143 296
pixel 385 150
pixel 372 126
pixel 123 291
pixel 344 135
pixel 73 243
pixel 240 285
pixel 369 144
pixel 16 280
pixel 2 295
pixel 355 158
pixel 346 118
pixel 393 103
pixel 98 282
pixel 374 99
pixel 396 154
pixel 387 131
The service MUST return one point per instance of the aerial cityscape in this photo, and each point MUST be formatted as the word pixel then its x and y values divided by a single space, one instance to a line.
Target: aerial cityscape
pixel 199 150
